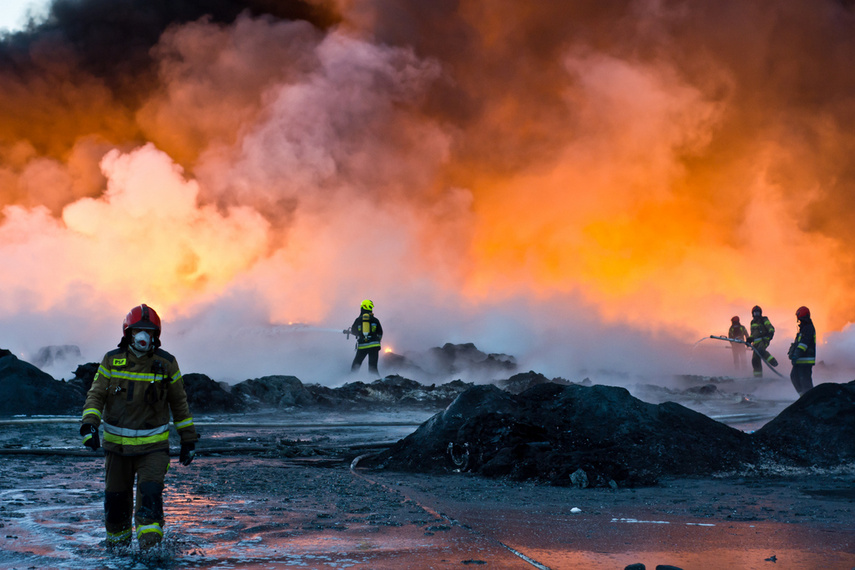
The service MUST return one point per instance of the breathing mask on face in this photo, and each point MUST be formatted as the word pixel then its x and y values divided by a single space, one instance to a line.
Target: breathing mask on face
pixel 142 342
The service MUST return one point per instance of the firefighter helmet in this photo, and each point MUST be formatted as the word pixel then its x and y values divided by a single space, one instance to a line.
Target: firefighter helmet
pixel 802 312
pixel 142 317
pixel 735 320
pixel 368 305
pixel 756 311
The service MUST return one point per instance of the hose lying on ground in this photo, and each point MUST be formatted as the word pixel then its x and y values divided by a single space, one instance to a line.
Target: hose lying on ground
pixel 52 451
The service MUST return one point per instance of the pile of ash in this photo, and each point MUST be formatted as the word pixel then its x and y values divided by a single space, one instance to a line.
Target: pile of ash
pixel 600 436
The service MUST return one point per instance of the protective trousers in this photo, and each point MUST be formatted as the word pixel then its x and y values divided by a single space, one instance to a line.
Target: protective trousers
pixel 801 377
pixel 738 355
pixel 756 361
pixel 373 355
pixel 149 471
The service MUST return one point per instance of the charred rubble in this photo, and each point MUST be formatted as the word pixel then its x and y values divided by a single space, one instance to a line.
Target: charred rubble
pixel 24 389
pixel 573 435
pixel 568 435
pixel 27 390
pixel 525 427
pixel 450 360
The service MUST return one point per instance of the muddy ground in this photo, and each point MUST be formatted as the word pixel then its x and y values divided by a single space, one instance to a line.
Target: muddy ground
pixel 281 493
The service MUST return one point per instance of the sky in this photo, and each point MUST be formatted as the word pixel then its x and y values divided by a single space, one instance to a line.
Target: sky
pixel 590 187
pixel 13 13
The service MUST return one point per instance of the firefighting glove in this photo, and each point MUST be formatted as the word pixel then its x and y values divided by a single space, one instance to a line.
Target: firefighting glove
pixel 90 436
pixel 188 451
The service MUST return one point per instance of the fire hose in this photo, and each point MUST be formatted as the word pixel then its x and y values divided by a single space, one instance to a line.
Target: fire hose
pixel 757 352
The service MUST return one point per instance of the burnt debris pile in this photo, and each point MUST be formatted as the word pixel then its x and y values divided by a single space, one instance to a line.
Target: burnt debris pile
pixel 27 390
pixel 451 360
pixel 24 389
pixel 568 435
pixel 573 435
pixel 817 429
pixel 284 392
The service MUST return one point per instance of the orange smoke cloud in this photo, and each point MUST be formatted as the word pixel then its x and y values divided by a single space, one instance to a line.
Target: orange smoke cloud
pixel 484 171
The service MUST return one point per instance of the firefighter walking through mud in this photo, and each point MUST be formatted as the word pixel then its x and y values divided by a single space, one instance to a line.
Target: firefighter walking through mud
pixel 803 352
pixel 368 332
pixel 136 388
pixel 762 332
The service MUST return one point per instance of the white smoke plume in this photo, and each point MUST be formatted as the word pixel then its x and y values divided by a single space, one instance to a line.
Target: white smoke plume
pixel 589 190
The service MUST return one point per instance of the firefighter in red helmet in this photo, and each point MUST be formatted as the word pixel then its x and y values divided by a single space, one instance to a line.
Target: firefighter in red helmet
pixel 762 332
pixel 803 352
pixel 737 331
pixel 136 388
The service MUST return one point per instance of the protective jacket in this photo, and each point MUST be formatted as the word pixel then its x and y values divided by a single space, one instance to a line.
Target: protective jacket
pixel 762 331
pixel 133 396
pixel 367 330
pixel 804 347
pixel 738 332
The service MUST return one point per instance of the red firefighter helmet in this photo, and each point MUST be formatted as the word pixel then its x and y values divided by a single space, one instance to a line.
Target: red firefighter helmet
pixel 756 311
pixel 142 317
pixel 802 312
pixel 734 320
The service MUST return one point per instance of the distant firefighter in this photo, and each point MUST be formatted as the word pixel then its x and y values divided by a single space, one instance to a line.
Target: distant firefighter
pixel 137 388
pixel 803 352
pixel 762 332
pixel 739 332
pixel 368 332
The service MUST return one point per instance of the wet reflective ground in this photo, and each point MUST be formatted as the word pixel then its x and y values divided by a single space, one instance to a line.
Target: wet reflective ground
pixel 231 513
pixel 704 523
pixel 243 512
pixel 299 505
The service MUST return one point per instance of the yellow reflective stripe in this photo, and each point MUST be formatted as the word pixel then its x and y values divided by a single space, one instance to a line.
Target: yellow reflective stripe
pixel 130 432
pixel 124 440
pixel 119 536
pixel 93 411
pixel 103 371
pixel 184 423
pixel 137 376
pixel 370 345
pixel 176 377
pixel 153 527
pixel 86 438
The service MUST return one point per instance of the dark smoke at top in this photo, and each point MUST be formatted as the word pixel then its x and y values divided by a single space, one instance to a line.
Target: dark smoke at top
pixel 108 44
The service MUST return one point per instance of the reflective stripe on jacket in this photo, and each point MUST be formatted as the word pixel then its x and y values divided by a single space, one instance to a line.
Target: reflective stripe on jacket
pixel 761 330
pixel 133 398
pixel 805 350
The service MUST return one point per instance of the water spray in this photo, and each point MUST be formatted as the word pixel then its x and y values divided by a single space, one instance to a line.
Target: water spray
pixel 291 328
